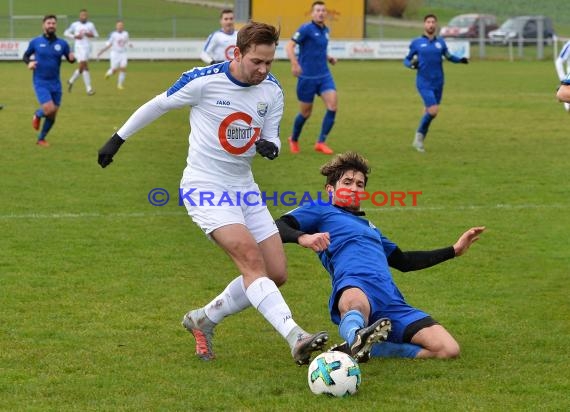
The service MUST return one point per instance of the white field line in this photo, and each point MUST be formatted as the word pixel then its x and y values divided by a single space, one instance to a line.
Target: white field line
pixel 182 211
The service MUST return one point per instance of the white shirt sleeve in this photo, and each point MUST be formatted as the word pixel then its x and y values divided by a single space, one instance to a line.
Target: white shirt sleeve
pixel 94 30
pixel 159 105
pixel 563 57
pixel 70 31
pixel 270 129
pixel 206 58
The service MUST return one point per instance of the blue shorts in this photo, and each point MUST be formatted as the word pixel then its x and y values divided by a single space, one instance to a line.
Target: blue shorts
pixel 431 96
pixel 48 91
pixel 386 301
pixel 308 88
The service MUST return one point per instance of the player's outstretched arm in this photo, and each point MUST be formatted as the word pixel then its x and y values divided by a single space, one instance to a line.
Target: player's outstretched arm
pixel 467 239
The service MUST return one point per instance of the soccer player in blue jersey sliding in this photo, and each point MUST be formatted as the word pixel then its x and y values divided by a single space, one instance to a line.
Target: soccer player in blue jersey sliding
pixel 365 302
pixel 314 76
pixel 425 56
pixel 47 51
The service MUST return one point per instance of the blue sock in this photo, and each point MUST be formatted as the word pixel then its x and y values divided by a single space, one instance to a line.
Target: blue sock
pixel 48 123
pixel 395 350
pixel 298 126
pixel 328 122
pixel 349 324
pixel 40 113
pixel 425 122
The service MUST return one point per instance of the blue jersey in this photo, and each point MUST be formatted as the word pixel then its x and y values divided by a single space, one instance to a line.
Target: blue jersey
pixel 48 53
pixel 357 257
pixel 429 54
pixel 313 42
pixel 357 246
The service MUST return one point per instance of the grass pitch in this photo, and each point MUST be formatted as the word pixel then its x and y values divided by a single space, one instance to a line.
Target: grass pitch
pixel 94 280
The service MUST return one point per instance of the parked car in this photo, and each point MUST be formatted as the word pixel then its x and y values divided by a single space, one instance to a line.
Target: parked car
pixel 466 26
pixel 525 27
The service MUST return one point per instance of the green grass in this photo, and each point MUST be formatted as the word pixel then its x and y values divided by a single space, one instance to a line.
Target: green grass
pixel 143 18
pixel 94 280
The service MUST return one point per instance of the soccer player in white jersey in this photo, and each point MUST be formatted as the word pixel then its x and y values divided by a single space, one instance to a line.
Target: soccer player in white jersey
pixel 118 42
pixel 236 110
pixel 562 60
pixel 81 32
pixel 220 44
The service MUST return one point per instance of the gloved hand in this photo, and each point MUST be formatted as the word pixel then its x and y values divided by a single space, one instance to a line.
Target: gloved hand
pixel 414 64
pixel 464 60
pixel 266 149
pixel 109 150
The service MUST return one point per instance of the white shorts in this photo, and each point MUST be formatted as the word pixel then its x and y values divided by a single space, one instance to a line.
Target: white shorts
pixel 118 60
pixel 82 53
pixel 212 206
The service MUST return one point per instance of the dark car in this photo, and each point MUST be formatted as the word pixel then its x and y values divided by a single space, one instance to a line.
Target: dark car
pixel 466 26
pixel 523 27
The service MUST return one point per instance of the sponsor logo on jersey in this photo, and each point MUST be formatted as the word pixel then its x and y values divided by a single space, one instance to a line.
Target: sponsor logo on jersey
pixel 262 109
pixel 233 130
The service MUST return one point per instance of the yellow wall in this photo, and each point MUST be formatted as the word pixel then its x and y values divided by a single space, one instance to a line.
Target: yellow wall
pixel 345 17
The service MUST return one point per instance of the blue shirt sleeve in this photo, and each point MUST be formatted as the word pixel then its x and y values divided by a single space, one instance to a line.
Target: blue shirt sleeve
pixel 308 218
pixel 387 244
pixel 411 53
pixel 445 52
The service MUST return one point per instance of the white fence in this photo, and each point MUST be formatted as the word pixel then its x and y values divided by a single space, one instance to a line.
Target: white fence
pixel 151 49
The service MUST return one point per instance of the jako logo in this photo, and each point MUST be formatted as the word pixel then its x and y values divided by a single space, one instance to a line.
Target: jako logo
pixel 223 103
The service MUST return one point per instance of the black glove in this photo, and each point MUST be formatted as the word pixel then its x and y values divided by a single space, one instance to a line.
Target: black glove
pixel 414 64
pixel 266 149
pixel 464 60
pixel 109 150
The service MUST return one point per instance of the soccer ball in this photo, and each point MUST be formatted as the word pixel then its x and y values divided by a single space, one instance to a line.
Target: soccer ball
pixel 334 373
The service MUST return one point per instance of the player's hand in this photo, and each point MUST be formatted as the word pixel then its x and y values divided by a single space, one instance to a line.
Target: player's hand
pixel 109 150
pixel 467 239
pixel 317 241
pixel 32 65
pixel 266 149
pixel 414 64
pixel 464 60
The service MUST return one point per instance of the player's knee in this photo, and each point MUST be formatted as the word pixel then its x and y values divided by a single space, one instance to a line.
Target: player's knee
pixel 306 113
pixel 433 111
pixel 279 277
pixel 450 351
pixel 50 111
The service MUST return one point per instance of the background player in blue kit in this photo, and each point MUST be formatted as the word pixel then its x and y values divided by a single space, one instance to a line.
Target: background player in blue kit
pixel 357 256
pixel 47 50
pixel 425 56
pixel 314 76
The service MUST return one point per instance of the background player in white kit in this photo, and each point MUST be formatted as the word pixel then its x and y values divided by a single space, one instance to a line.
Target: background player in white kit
pixel 562 60
pixel 81 32
pixel 220 44
pixel 236 110
pixel 118 42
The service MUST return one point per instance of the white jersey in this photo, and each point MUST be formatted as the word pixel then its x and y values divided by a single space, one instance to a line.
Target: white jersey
pixel 563 59
pixel 78 28
pixel 219 47
pixel 118 41
pixel 226 119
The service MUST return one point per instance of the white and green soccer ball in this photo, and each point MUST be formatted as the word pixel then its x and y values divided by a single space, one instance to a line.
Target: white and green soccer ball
pixel 334 373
